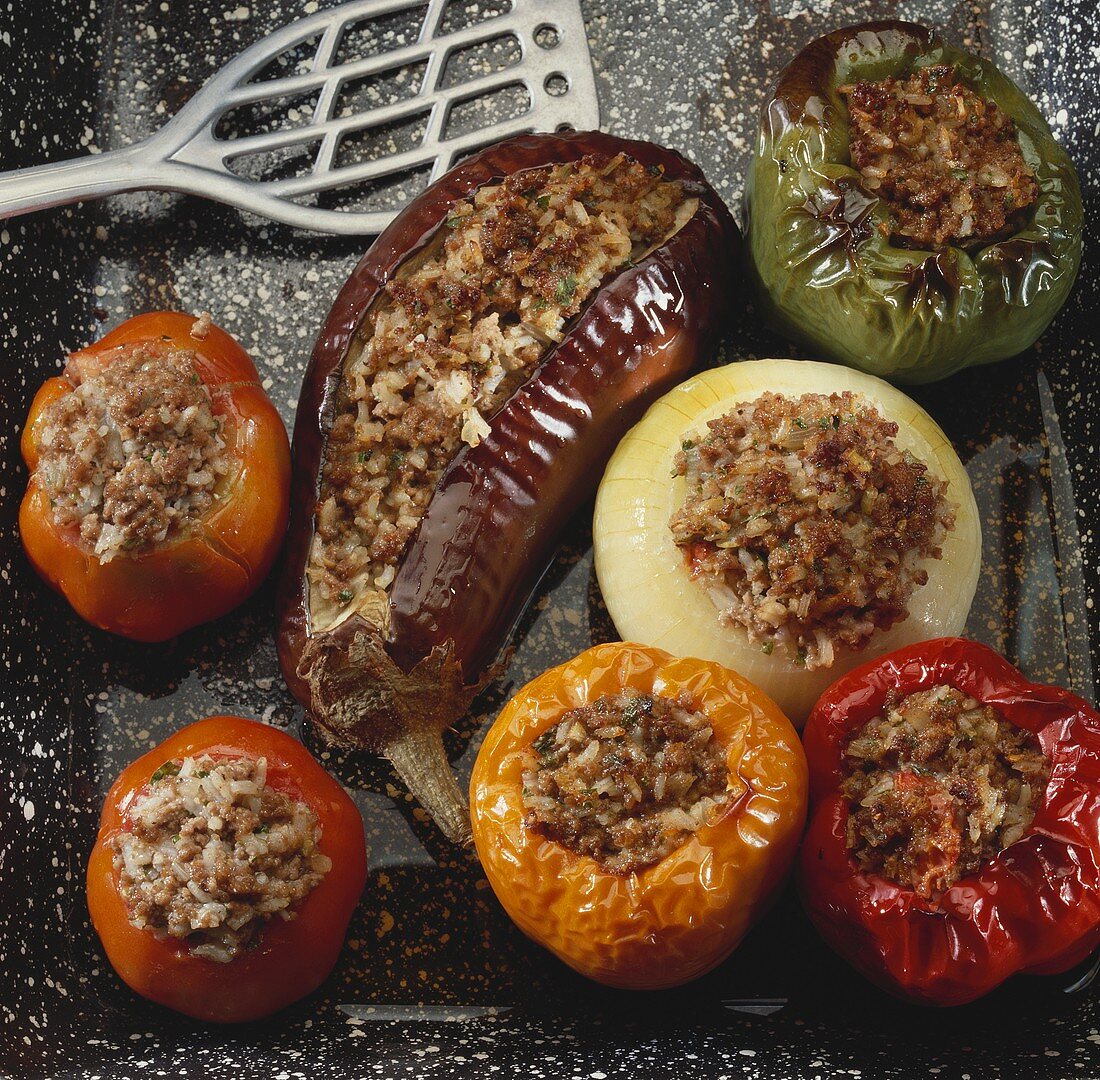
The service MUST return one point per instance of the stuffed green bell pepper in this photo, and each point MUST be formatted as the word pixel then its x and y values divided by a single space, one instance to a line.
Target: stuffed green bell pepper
pixel 908 210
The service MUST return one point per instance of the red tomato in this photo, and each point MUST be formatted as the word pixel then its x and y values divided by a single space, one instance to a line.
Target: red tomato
pixel 154 594
pixel 292 957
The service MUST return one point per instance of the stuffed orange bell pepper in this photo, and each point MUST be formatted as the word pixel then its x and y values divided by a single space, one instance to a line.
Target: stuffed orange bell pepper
pixel 159 484
pixel 634 812
pixel 227 868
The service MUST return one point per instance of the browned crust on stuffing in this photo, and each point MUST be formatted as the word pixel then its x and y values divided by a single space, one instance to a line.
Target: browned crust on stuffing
pixel 946 160
pixel 213 877
pixel 939 784
pixel 806 523
pixel 625 780
pixel 132 456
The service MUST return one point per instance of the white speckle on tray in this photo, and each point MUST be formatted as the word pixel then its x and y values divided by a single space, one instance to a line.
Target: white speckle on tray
pixel 76 705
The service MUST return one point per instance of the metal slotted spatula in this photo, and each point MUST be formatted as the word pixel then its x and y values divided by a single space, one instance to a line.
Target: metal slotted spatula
pixel 369 100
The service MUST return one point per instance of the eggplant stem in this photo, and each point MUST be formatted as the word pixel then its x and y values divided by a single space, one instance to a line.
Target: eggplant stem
pixel 420 760
pixel 361 698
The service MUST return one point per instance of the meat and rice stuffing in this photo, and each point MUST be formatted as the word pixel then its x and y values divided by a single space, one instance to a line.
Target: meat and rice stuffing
pixel 626 779
pixel 134 453
pixel 806 524
pixel 456 332
pixel 214 853
pixel 939 784
pixel 946 160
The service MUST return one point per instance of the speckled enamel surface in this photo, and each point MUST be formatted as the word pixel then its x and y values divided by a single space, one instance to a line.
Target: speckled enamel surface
pixel 435 980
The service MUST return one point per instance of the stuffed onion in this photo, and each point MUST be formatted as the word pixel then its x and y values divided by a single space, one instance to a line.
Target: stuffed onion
pixel 787 519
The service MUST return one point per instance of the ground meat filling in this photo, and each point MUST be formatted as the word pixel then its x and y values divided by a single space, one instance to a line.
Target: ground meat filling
pixel 454 336
pixel 214 853
pixel 946 161
pixel 626 779
pixel 939 784
pixel 806 524
pixel 134 453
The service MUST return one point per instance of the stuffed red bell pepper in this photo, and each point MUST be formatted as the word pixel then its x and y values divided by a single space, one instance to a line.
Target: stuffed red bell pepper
pixel 954 835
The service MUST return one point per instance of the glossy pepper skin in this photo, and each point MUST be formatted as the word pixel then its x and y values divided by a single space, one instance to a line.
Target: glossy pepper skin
pixel 678 918
pixel 499 509
pixel 292 957
pixel 826 273
pixel 155 594
pixel 1035 907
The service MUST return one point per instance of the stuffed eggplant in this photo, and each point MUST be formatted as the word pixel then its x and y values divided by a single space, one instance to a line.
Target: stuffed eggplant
pixel 907 210
pixel 470 383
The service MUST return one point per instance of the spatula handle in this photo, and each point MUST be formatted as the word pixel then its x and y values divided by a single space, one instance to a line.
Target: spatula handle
pixel 88 177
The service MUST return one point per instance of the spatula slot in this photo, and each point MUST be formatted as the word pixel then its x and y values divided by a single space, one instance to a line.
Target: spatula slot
pixel 484 110
pixel 380 34
pixel 283 163
pixel 377 91
pixel 384 140
pixel 481 58
pixel 547 36
pixel 556 84
pixel 270 114
pixel 297 60
pixel 460 14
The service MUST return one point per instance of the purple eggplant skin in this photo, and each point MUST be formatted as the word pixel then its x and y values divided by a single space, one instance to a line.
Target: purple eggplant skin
pixel 496 518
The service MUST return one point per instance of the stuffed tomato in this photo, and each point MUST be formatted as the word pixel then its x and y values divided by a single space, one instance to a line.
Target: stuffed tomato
pixel 786 519
pixel 634 812
pixel 159 477
pixel 227 867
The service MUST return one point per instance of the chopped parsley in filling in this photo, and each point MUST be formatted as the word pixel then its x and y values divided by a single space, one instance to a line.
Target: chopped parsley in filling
pixel 939 784
pixel 625 780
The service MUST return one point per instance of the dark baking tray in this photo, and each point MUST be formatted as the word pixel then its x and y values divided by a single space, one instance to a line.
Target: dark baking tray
pixel 435 980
